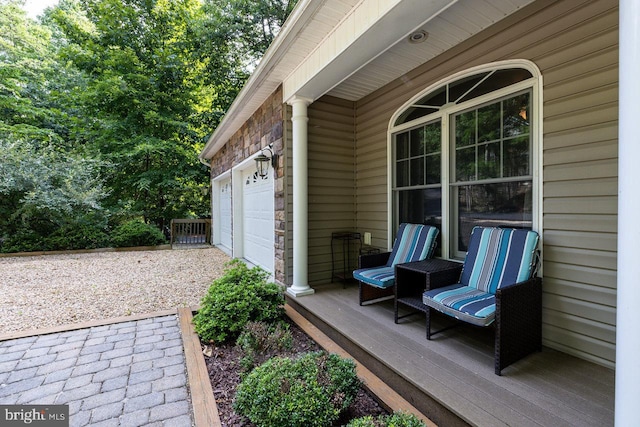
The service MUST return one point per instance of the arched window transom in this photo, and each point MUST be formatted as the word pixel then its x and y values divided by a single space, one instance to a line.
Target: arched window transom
pixel 464 154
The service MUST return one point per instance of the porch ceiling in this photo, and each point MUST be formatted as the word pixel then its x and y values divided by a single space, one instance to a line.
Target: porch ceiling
pixel 383 52
pixel 311 57
pixel 447 28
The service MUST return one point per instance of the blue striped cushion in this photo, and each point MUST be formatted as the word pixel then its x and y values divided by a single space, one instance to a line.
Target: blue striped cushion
pixel 381 277
pixel 463 302
pixel 414 242
pixel 498 256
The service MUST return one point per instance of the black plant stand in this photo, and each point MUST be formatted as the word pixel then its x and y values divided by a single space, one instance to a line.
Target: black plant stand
pixel 345 246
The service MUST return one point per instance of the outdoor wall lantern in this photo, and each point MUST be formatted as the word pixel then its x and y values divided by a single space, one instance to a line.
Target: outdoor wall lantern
pixel 262 161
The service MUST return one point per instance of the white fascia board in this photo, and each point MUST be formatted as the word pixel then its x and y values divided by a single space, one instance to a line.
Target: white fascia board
pixel 264 80
pixel 391 27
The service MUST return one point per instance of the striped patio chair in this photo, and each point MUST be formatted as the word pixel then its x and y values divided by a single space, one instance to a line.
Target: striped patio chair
pixel 376 272
pixel 497 286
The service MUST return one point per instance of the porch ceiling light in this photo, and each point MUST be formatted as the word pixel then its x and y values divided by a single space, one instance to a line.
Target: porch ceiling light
pixel 262 161
pixel 418 36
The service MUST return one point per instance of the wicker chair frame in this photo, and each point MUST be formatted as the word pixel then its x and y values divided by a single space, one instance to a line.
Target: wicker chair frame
pixel 518 321
pixel 366 292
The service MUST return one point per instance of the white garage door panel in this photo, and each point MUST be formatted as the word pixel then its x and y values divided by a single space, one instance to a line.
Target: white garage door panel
pixel 225 213
pixel 258 219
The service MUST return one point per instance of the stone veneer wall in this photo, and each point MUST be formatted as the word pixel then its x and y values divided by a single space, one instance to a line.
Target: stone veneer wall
pixel 263 128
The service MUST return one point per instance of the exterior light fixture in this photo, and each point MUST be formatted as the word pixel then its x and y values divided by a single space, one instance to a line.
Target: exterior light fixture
pixel 418 36
pixel 262 161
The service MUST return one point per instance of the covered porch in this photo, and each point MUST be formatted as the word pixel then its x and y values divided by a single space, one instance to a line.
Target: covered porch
pixel 450 378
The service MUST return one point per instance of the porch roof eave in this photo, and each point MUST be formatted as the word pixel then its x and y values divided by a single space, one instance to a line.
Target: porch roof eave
pixel 318 50
pixel 267 76
pixel 281 64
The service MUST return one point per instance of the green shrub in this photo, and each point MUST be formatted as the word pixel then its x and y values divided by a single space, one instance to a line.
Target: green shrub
pixel 71 237
pixel 66 237
pixel 310 391
pixel 259 340
pixel 240 296
pixel 136 233
pixel 397 419
pixel 23 241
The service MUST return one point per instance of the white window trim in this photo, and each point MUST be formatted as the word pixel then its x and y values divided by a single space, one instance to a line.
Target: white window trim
pixel 535 83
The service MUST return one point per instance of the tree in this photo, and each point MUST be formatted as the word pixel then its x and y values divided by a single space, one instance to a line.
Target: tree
pixel 231 39
pixel 45 184
pixel 248 26
pixel 134 84
pixel 144 92
pixel 43 189
pixel 33 85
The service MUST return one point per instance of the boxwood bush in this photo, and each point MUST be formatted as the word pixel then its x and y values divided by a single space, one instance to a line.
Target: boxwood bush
pixel 67 237
pixel 259 340
pixel 240 296
pixel 310 391
pixel 136 233
pixel 71 237
pixel 397 419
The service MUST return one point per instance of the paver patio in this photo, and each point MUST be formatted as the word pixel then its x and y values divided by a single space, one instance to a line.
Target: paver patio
pixel 130 373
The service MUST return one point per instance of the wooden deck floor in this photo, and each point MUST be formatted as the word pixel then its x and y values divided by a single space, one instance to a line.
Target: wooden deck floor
pixel 451 378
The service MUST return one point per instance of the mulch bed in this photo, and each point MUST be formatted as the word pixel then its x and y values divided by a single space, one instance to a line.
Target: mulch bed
pixel 224 373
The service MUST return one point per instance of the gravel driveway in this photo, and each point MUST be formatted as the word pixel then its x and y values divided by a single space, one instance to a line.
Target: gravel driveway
pixel 52 290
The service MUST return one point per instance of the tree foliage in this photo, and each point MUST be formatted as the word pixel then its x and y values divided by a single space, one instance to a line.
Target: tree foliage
pixel 134 84
pixel 35 98
pixel 42 188
pixel 247 26
pixel 143 92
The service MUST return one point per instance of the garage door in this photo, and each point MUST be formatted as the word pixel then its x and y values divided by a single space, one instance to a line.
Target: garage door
pixel 258 219
pixel 225 213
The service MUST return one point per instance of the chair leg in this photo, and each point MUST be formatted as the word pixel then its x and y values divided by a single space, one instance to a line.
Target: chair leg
pixel 395 310
pixel 431 333
pixel 371 294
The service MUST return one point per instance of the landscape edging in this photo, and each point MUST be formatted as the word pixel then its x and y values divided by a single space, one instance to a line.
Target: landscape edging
pixel 205 409
pixel 87 251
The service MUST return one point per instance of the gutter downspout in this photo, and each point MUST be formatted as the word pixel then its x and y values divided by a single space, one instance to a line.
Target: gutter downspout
pixel 204 162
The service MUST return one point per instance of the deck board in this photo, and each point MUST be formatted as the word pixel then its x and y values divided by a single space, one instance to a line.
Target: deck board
pixel 455 368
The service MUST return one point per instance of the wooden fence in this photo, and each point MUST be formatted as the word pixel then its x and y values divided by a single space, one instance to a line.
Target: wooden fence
pixel 190 231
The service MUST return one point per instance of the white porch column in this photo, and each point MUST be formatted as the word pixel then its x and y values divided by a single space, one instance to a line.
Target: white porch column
pixel 300 121
pixel 628 304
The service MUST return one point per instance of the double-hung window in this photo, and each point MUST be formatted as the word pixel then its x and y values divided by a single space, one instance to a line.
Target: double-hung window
pixel 464 155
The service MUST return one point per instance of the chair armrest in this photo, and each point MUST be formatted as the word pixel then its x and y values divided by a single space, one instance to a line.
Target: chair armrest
pixel 525 294
pixel 373 260
pixel 520 299
pixel 518 321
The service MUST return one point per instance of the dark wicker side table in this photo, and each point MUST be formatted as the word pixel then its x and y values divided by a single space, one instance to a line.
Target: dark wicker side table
pixel 413 278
